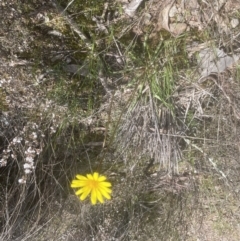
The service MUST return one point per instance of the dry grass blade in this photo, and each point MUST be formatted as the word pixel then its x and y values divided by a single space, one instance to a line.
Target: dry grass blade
pixel 148 130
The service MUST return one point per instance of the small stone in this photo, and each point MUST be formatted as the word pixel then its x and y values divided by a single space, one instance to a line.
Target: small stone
pixel 72 68
pixel 178 28
pixel 234 22
pixel 147 19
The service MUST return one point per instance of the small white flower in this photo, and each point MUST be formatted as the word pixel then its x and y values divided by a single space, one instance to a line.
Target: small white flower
pixel 13 156
pixel 6 151
pixel 33 136
pixel 29 150
pixel 3 162
pixel 29 159
pixel 27 166
pixel 21 181
pixel 27 171
pixel 17 140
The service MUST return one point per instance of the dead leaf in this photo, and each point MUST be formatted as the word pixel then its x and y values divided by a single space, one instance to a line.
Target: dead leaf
pixel 214 61
pixel 163 17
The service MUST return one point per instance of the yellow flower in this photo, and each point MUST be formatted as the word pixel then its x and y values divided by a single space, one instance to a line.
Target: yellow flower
pixel 94 184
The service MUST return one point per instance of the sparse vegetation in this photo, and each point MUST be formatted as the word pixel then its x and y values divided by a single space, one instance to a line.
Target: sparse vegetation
pixel 148 100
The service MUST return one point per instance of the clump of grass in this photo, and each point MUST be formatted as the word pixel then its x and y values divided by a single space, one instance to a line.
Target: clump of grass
pixel 149 126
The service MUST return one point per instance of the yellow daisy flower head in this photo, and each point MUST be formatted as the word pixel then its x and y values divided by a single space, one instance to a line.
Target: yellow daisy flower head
pixel 93 184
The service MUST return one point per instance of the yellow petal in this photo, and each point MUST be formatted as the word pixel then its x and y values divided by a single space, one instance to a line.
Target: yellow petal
pixel 95 176
pixel 99 196
pixel 105 189
pixel 85 193
pixel 90 176
pixel 77 183
pixel 94 197
pixel 105 184
pixel 80 191
pixel 102 178
pixel 80 177
pixel 105 193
